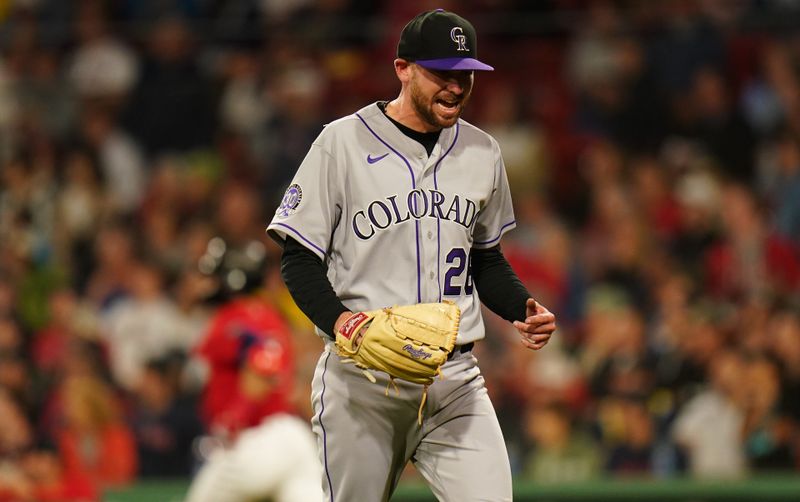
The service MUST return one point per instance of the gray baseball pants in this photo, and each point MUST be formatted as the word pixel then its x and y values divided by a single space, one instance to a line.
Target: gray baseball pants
pixel 366 438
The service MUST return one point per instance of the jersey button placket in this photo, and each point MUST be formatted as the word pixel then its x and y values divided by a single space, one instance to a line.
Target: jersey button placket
pixel 428 234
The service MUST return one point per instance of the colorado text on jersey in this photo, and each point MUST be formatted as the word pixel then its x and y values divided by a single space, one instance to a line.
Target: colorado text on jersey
pixel 381 214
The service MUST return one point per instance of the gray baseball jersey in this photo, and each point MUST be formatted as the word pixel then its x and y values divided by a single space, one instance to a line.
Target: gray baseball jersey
pixel 394 225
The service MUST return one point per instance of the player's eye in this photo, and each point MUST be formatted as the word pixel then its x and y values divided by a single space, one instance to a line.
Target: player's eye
pixel 461 76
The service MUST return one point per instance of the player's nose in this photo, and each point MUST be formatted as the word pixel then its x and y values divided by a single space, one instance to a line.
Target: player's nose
pixel 455 87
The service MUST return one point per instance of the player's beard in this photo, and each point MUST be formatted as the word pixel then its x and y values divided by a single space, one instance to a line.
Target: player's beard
pixel 424 106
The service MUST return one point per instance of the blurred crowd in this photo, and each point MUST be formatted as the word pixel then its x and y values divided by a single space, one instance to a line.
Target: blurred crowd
pixel 653 150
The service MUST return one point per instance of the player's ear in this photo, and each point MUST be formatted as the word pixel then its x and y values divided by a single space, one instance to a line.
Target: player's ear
pixel 403 69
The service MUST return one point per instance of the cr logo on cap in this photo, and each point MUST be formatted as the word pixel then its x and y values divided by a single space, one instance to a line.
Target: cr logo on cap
pixel 457 36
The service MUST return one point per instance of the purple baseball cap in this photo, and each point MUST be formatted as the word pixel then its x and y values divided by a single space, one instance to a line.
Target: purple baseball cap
pixel 441 40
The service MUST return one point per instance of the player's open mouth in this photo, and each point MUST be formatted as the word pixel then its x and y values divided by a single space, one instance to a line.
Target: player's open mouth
pixel 448 107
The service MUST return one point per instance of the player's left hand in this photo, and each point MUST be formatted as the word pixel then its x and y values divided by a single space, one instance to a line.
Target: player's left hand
pixel 538 326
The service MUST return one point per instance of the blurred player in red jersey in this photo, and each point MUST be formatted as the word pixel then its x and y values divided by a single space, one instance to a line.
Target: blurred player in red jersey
pixel 261 448
pixel 242 320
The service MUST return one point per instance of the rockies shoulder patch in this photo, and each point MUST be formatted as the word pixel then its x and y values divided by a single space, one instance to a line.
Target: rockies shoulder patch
pixel 291 199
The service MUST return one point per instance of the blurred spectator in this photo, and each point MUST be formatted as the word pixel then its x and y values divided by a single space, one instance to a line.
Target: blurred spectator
pixel 8 297
pixel 684 41
pixel 779 184
pixel 102 67
pixel 710 425
pixel 627 369
pixel 16 431
pixel 245 104
pixel 146 325
pixel 120 159
pixel 160 231
pixel 768 431
pixel 26 209
pixel 164 421
pixel 172 105
pixel 711 119
pixel 297 93
pixel 239 215
pixel 670 325
pixel 560 454
pixel 653 193
pixel 16 377
pixel 700 339
pixel 750 261
pixel 770 98
pixel 699 196
pixel 614 240
pixel 46 105
pixel 82 359
pixel 81 206
pixel 69 320
pixel 93 439
pixel 163 193
pixel 617 96
pixel 784 347
pixel 9 108
pixel 12 338
pixel 633 454
pixel 614 354
pixel 39 476
pixel 113 257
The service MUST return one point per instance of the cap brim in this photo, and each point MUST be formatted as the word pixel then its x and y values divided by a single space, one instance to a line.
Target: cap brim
pixel 454 64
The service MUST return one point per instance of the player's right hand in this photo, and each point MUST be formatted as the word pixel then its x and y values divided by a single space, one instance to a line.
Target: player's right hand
pixel 343 317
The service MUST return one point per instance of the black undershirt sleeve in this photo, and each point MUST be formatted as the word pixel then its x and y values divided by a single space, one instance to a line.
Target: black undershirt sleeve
pixel 307 280
pixel 498 286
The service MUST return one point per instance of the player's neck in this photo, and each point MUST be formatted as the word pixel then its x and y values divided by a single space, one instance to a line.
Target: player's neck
pixel 401 110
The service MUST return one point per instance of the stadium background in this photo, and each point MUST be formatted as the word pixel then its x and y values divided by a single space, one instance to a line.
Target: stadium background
pixel 653 149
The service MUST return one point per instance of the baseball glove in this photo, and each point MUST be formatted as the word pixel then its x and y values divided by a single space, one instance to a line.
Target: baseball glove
pixel 409 342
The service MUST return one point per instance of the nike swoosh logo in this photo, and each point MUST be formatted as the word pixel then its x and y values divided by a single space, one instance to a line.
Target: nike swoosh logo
pixel 373 160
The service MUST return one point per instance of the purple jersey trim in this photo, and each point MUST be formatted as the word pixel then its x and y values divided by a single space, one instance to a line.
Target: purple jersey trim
pixel 298 234
pixel 500 234
pixel 454 64
pixel 322 426
pixel 438 221
pixel 413 187
pixel 419 263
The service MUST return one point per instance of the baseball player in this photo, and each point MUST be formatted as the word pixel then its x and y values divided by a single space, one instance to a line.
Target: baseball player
pixel 258 448
pixel 273 457
pixel 403 203
pixel 241 319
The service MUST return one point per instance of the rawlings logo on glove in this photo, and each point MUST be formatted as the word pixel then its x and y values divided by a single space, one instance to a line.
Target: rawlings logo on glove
pixel 416 353
pixel 409 342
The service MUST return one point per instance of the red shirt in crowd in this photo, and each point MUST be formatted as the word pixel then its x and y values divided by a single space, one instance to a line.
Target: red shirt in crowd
pixel 108 458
